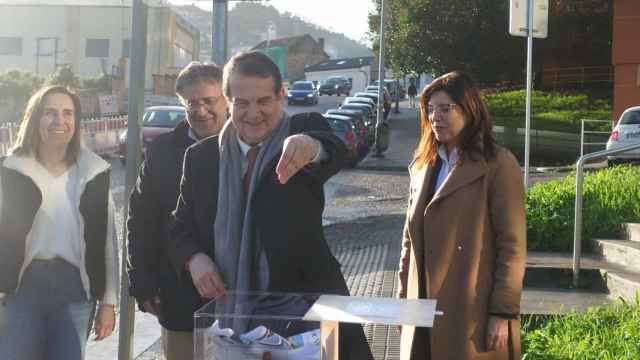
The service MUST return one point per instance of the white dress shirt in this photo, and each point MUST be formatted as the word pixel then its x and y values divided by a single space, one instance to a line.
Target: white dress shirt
pixel 448 163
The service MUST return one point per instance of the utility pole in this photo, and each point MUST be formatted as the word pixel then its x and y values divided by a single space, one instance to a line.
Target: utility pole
pixel 219 32
pixel 379 117
pixel 134 138
pixel 527 133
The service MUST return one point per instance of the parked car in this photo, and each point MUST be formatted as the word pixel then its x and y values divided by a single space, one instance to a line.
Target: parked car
pixel 360 100
pixel 357 117
pixel 346 130
pixel 302 92
pixel 335 85
pixel 369 114
pixel 626 132
pixel 156 120
pixel 387 98
pixel 393 86
pixel 368 95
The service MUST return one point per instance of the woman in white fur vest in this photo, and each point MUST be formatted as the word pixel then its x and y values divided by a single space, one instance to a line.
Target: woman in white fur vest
pixel 58 260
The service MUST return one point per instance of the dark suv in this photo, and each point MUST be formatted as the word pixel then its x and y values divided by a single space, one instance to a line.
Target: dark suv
pixel 335 85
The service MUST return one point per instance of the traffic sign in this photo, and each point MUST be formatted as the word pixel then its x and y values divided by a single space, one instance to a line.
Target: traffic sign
pixel 518 18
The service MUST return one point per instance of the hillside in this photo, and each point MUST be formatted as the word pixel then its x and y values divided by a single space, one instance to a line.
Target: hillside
pixel 248 24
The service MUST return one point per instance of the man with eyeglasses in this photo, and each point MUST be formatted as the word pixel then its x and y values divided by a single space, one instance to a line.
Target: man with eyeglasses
pixel 249 214
pixel 154 284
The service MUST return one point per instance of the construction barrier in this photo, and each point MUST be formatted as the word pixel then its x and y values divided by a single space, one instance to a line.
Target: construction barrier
pixel 100 135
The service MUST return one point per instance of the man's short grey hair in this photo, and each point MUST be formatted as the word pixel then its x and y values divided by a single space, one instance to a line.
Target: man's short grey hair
pixel 197 72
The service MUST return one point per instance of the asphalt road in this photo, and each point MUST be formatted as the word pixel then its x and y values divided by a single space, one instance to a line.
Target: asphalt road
pixel 325 103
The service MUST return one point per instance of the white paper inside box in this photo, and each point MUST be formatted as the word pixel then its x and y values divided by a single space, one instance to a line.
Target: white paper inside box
pixel 261 326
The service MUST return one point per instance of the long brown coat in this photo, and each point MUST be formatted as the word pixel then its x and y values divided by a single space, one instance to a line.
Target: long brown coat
pixel 472 239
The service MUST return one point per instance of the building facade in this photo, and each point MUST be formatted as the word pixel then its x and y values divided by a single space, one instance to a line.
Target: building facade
pixel 357 69
pixel 626 55
pixel 92 37
pixel 297 53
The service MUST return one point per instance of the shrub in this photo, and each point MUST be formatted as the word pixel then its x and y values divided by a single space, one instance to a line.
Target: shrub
pixel 611 197
pixel 608 332
pixel 550 110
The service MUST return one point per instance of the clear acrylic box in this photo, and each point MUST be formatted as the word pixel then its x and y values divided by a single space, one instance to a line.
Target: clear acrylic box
pixel 284 326
pixel 266 326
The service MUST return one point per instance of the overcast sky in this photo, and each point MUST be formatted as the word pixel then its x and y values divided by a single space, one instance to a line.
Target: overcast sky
pixel 349 17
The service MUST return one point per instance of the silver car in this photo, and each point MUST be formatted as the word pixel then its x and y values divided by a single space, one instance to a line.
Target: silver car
pixel 626 132
pixel 360 100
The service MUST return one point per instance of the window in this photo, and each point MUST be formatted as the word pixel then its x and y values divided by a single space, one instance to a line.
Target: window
pixel 11 46
pixel 97 48
pixel 126 48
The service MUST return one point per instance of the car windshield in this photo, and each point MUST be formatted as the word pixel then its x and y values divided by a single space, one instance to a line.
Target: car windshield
pixel 363 109
pixel 348 113
pixel 338 125
pixel 630 118
pixel 302 86
pixel 162 118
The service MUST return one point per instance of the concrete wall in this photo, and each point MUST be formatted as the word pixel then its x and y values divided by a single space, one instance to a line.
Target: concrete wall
pixel 73 25
pixel 626 55
pixel 361 77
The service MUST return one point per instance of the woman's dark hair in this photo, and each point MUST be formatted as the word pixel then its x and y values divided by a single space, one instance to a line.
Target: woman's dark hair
pixel 253 63
pixel 28 140
pixel 476 136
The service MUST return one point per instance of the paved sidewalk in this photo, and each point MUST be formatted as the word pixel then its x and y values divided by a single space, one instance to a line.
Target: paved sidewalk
pixel 405 132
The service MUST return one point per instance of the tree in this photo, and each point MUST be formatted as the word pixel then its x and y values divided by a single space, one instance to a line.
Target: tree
pixel 471 35
pixel 440 36
pixel 64 76
pixel 16 87
pixel 100 82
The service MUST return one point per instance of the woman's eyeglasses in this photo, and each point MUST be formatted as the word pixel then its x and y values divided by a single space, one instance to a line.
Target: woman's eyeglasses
pixel 442 108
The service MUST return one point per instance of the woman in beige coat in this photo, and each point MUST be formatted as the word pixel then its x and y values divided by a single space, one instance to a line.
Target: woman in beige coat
pixel 464 242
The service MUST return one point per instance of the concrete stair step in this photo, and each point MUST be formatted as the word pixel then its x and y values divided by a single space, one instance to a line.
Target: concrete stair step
pixel 564 260
pixel 621 252
pixel 622 284
pixel 631 231
pixel 556 301
pixel 617 279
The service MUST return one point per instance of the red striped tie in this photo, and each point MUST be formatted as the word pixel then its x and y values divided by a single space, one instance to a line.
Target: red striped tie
pixel 252 155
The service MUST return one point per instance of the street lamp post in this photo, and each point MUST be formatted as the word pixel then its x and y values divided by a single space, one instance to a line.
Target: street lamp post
pixel 219 32
pixel 134 139
pixel 379 117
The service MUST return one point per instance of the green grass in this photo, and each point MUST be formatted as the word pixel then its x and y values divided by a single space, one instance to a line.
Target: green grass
pixel 611 197
pixel 609 332
pixel 550 110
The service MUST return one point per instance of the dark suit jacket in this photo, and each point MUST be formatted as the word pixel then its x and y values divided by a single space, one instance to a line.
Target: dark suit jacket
pixel 288 218
pixel 150 205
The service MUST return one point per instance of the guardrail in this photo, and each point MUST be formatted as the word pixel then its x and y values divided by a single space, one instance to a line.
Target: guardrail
pixel 99 134
pixel 577 227
pixel 591 132
pixel 577 76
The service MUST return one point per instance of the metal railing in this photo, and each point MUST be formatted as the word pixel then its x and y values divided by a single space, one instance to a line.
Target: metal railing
pixel 591 132
pixel 577 229
pixel 577 76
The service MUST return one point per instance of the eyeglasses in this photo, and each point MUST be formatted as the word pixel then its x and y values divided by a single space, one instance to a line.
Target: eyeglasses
pixel 443 108
pixel 208 102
